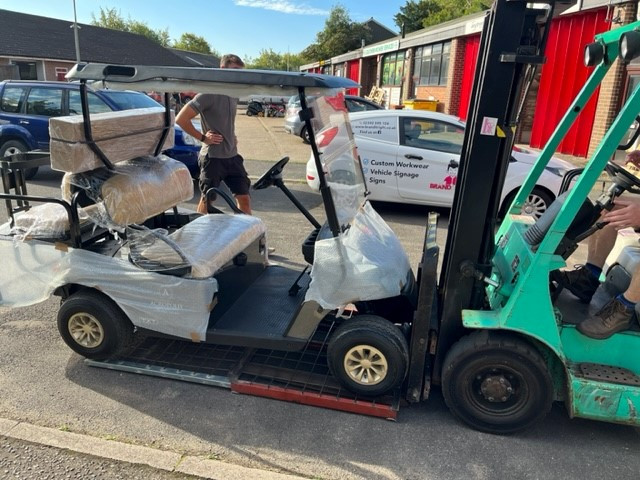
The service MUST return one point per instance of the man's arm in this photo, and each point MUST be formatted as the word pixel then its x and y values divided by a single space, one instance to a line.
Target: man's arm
pixel 626 214
pixel 184 121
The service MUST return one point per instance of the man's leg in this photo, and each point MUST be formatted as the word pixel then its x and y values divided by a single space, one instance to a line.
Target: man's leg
pixel 244 203
pixel 237 179
pixel 210 176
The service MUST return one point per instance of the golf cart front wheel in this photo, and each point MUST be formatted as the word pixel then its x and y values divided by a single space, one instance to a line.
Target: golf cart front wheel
pixel 369 356
pixel 496 383
pixel 92 325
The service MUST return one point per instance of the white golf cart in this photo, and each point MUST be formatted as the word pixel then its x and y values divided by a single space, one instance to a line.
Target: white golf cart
pixel 125 260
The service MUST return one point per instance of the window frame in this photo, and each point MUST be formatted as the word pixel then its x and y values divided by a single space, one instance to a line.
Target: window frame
pixel 428 57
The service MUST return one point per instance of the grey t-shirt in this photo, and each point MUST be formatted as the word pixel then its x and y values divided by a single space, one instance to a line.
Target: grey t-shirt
pixel 218 114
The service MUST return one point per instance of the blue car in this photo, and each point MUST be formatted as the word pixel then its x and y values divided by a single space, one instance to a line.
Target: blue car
pixel 26 106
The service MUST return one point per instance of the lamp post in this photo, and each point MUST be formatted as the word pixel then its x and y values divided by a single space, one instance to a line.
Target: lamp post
pixel 75 32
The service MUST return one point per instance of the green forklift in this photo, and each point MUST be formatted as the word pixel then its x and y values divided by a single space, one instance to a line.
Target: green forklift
pixel 502 340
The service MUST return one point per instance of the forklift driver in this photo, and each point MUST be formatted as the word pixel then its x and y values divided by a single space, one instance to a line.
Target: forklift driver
pixel 617 314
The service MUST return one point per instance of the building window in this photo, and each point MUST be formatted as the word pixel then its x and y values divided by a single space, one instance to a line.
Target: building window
pixel 392 68
pixel 27 70
pixel 431 64
pixel 60 73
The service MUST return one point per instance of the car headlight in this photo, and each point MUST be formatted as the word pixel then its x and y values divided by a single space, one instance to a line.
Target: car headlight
pixel 189 140
pixel 558 171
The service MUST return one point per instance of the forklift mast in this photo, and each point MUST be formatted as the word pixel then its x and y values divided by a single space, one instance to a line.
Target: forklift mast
pixel 511 47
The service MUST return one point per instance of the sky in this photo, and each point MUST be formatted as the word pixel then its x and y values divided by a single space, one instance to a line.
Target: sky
pixel 243 27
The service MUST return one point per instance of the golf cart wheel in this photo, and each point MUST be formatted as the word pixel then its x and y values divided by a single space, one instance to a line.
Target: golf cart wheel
pixel 369 355
pixel 13 147
pixel 92 325
pixel 496 383
pixel 304 134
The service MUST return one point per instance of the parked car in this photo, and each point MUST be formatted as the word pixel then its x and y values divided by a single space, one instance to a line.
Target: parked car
pixel 413 157
pixel 26 106
pixel 293 124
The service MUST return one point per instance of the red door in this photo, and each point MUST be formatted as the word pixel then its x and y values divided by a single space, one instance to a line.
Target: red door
pixel 471 46
pixel 563 75
pixel 353 72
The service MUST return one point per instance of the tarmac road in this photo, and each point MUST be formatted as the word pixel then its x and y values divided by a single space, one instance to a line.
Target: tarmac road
pixel 44 384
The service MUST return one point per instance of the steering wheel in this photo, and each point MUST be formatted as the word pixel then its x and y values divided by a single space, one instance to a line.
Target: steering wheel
pixel 269 177
pixel 623 178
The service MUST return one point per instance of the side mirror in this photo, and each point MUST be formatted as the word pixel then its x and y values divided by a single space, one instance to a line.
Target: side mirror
pixel 629 46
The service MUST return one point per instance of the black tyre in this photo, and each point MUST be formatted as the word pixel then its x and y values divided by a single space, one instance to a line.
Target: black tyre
pixel 535 205
pixel 249 112
pixel 304 134
pixel 12 147
pixel 369 355
pixel 496 383
pixel 92 325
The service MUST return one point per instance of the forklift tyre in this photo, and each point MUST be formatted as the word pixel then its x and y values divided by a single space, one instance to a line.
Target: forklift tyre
pixel 496 383
pixel 369 355
pixel 93 325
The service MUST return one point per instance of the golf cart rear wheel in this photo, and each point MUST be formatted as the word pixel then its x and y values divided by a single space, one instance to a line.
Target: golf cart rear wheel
pixel 92 325
pixel 496 383
pixel 369 355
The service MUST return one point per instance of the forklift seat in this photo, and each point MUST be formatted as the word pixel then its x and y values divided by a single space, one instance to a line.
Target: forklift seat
pixel 206 244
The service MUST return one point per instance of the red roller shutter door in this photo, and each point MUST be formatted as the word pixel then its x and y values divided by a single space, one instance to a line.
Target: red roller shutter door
pixel 471 46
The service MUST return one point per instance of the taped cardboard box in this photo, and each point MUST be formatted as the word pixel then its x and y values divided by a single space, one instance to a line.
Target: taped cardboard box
pixel 120 135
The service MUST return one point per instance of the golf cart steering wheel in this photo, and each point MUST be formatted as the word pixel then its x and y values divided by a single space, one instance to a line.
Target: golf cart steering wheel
pixel 269 177
pixel 623 178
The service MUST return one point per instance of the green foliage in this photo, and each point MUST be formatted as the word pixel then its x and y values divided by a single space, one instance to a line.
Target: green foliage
pixel 112 18
pixel 413 13
pixel 340 35
pixel 452 9
pixel 270 60
pixel 193 43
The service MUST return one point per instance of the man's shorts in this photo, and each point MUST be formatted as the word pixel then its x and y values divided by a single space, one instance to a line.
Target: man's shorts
pixel 228 170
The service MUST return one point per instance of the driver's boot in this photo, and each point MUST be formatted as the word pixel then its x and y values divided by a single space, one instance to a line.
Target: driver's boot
pixel 581 282
pixel 612 318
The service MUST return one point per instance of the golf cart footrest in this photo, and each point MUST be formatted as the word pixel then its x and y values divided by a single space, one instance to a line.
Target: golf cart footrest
pixel 609 374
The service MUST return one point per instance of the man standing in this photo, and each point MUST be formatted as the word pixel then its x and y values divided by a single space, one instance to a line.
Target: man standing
pixel 219 159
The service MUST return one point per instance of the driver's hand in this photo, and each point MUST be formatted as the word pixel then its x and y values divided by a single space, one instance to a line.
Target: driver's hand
pixel 626 213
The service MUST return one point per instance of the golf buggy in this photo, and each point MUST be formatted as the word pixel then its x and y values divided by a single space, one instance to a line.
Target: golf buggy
pixel 125 260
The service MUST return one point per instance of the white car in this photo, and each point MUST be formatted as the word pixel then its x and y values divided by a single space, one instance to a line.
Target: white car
pixel 412 156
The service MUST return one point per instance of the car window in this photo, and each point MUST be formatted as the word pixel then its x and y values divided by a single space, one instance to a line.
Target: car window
pixel 12 99
pixel 355 105
pixel 130 100
pixel 96 104
pixel 432 135
pixel 45 101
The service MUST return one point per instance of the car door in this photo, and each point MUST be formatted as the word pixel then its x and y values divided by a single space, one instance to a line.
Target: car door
pixel 376 136
pixel 42 103
pixel 428 159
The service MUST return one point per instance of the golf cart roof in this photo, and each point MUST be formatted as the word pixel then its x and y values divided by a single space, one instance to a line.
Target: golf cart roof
pixel 228 81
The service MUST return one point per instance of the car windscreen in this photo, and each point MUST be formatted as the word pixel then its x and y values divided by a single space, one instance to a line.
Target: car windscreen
pixel 130 100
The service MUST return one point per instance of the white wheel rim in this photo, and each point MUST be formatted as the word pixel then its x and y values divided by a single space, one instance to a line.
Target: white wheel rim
pixel 86 330
pixel 366 365
pixel 11 151
pixel 534 206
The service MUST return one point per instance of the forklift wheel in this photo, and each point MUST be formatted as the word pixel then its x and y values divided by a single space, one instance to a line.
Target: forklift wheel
pixel 496 383
pixel 368 355
pixel 94 326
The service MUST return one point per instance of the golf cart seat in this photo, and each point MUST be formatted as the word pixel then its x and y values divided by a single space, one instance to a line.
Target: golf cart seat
pixel 203 245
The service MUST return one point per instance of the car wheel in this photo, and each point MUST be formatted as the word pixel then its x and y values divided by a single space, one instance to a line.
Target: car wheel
pixel 13 147
pixel 496 383
pixel 535 205
pixel 304 134
pixel 93 325
pixel 368 355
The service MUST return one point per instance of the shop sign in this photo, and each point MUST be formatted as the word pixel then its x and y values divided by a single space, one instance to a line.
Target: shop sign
pixel 381 48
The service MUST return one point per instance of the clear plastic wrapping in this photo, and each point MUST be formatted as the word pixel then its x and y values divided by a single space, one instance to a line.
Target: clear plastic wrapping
pixel 121 136
pixel 206 244
pixel 49 220
pixel 163 303
pixel 366 262
pixel 136 190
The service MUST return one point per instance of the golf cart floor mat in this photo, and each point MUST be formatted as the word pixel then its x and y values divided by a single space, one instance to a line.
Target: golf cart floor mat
pixel 300 377
pixel 267 300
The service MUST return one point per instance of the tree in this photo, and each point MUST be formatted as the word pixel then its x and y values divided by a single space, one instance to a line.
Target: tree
pixel 270 60
pixel 193 43
pixel 452 9
pixel 414 13
pixel 112 18
pixel 340 35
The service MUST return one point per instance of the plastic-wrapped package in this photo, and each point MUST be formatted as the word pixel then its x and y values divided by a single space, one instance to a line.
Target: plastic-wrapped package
pixel 121 136
pixel 49 220
pixel 366 262
pixel 206 244
pixel 167 304
pixel 135 191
